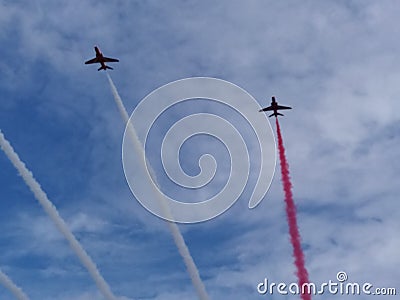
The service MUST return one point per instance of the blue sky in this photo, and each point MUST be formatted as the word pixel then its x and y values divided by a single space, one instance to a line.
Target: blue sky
pixel 335 62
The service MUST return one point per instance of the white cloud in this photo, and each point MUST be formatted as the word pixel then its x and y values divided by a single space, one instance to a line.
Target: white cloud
pixel 334 62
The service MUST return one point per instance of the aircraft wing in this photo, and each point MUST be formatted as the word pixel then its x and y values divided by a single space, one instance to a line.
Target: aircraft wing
pixel 108 59
pixel 267 108
pixel 92 61
pixel 283 107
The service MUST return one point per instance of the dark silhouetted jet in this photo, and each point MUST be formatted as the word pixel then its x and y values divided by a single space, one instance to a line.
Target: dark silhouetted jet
pixel 101 60
pixel 274 107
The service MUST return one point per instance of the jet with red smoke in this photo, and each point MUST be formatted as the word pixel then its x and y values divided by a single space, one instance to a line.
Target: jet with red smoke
pixel 274 107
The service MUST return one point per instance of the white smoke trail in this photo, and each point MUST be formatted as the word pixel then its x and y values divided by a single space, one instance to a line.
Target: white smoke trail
pixel 50 209
pixel 14 289
pixel 176 234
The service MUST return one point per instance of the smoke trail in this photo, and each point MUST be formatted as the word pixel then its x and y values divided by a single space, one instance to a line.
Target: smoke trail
pixel 302 273
pixel 14 289
pixel 56 218
pixel 118 100
pixel 176 234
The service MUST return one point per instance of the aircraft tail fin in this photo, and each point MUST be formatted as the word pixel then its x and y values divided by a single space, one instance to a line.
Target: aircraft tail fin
pixel 104 68
pixel 275 114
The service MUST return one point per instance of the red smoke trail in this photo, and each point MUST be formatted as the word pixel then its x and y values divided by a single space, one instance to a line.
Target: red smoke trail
pixel 302 273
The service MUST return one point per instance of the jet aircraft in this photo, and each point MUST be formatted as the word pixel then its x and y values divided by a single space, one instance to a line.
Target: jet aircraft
pixel 274 107
pixel 101 60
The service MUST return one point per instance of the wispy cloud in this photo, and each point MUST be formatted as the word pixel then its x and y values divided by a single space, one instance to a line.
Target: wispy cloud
pixel 334 62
